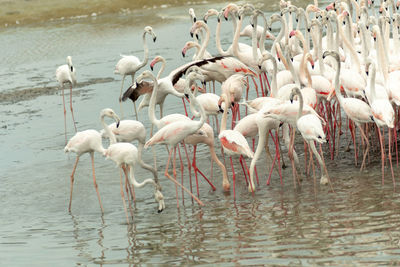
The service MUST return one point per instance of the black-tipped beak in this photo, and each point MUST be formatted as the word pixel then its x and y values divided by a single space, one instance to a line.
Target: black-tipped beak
pixel 159 211
pixel 233 104
pixel 194 19
pixel 308 29
pixel 240 17
pixel 154 39
pixel 183 55
pixel 291 101
pixel 118 124
pixel 218 20
pixel 297 20
pixel 259 67
pixel 366 73
pixel 151 67
pixel 197 36
pixel 291 59
pixel 220 109
pixel 187 95
pixel 312 66
pixel 191 34
pixel 226 18
pixel 252 25
pixel 205 21
pixel 374 39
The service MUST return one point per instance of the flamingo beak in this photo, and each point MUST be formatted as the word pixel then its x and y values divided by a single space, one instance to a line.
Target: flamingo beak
pixel 184 52
pixel 118 123
pixel 191 34
pixel 154 39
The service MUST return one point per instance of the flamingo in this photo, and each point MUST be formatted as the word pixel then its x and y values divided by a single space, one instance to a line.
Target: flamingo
pixel 233 142
pixel 66 74
pixel 174 133
pixel 310 128
pixel 129 65
pixel 88 141
pixel 356 109
pixel 127 154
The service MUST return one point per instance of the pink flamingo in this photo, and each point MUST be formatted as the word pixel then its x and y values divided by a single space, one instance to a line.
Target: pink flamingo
pixel 66 74
pixel 129 65
pixel 233 142
pixel 173 133
pixel 88 141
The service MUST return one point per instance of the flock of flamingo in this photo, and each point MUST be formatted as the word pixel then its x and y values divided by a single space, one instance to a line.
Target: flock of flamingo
pixel 334 69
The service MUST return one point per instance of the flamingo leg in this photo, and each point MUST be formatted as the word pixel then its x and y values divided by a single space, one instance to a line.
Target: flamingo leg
pixel 95 183
pixel 233 179
pixel 366 150
pixel 174 174
pixel 72 182
pixel 189 168
pixel 382 155
pixel 180 158
pixel 243 169
pixel 390 156
pixel 129 187
pixel 195 170
pixel 70 106
pixel 65 115
pixel 177 183
pixel 123 196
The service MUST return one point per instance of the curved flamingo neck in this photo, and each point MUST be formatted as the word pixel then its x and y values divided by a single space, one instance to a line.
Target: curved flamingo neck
pixel 279 37
pixel 135 183
pixel 297 92
pixel 152 104
pixel 110 134
pixel 337 81
pixel 161 70
pixel 204 42
pixel 146 52
pixel 225 114
pixel 144 165
pixel 372 83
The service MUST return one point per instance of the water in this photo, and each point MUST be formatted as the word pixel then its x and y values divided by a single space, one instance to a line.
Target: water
pixel 279 225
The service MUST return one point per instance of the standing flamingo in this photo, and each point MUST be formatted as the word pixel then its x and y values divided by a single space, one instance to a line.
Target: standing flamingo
pixel 66 74
pixel 173 133
pixel 129 65
pixel 356 109
pixel 233 142
pixel 88 141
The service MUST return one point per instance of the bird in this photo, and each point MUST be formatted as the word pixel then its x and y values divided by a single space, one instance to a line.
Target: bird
pixel 233 142
pixel 173 133
pixel 129 65
pixel 88 141
pixel 66 74
pixel 126 154
pixel 310 128
pixel 356 109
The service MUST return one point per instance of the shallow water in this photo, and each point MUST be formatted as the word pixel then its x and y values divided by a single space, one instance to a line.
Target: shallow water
pixel 280 225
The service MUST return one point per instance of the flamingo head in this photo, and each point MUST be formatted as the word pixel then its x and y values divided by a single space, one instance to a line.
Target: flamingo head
pixel 331 6
pixel 188 45
pixel 192 15
pixel 159 197
pixel 293 33
pixel 397 5
pixel 110 113
pixel 196 26
pixel 312 8
pixel 230 8
pixel 154 61
pixel 149 30
pixel 209 13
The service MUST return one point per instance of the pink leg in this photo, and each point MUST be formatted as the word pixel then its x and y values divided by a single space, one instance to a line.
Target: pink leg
pixel 65 115
pixel 390 156
pixel 72 182
pixel 189 167
pixel 123 198
pixel 95 183
pixel 180 159
pixel 233 178
pixel 195 170
pixel 382 155
pixel 174 174
pixel 177 183
pixel 184 106
pixel 72 111
pixel 243 169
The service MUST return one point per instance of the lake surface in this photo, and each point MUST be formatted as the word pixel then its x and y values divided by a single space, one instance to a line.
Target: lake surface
pixel 357 224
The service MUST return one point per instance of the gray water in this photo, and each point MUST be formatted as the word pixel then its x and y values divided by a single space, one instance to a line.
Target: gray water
pixel 357 224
